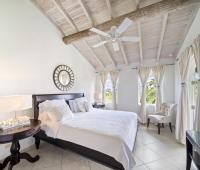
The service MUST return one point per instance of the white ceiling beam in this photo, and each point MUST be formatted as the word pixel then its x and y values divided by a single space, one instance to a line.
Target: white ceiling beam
pixel 109 8
pixel 67 17
pixel 94 54
pixel 140 42
pixel 86 12
pixel 164 25
pixel 123 52
pixel 107 52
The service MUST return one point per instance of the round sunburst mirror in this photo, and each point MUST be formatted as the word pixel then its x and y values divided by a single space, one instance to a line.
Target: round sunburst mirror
pixel 63 77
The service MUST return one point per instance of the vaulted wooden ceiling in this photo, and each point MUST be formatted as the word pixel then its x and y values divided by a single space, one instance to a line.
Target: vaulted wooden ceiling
pixel 162 31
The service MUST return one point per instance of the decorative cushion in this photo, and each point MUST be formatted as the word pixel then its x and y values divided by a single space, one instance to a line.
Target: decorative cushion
pixel 165 109
pixel 55 109
pixel 157 118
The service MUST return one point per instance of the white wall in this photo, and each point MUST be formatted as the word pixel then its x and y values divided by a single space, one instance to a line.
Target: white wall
pixel 30 49
pixel 128 88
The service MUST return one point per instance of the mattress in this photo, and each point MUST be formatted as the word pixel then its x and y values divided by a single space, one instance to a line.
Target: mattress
pixel 110 132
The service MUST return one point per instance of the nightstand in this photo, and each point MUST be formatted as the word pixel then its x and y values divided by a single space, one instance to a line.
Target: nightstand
pixel 14 135
pixel 99 106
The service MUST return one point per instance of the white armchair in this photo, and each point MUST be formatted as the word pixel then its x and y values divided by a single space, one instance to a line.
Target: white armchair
pixel 165 115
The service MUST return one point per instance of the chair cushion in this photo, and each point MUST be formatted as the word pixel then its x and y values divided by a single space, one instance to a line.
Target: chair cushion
pixel 158 118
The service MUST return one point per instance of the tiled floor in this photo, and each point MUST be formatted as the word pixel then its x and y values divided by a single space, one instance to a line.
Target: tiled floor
pixel 152 152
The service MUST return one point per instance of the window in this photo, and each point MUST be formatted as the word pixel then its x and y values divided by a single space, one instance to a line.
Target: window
pixel 150 90
pixel 108 90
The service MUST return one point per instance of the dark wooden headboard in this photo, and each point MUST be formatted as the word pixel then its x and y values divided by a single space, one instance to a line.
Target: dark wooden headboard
pixel 39 98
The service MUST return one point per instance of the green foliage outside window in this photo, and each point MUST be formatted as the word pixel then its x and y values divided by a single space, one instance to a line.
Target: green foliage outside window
pixel 108 96
pixel 150 91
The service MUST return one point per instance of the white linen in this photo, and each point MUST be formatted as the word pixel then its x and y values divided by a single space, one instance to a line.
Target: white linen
pixel 196 51
pixel 182 117
pixel 114 77
pixel 143 73
pixel 110 132
pixel 159 74
pixel 103 78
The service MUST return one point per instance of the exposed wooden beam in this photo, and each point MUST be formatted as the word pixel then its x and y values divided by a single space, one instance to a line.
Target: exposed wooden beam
pixel 140 43
pixel 109 8
pixel 93 53
pixel 86 12
pixel 123 52
pixel 107 52
pixel 67 17
pixel 146 12
pixel 164 25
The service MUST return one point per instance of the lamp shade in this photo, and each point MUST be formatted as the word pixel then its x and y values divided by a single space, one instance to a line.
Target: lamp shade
pixel 15 103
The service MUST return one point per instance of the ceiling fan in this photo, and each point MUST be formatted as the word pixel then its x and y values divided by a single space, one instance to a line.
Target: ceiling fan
pixel 114 36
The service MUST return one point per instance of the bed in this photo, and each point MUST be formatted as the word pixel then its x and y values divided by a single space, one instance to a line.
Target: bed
pixel 87 135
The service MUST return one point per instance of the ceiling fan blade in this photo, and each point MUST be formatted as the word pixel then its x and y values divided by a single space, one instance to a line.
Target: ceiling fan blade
pixel 115 46
pixel 130 39
pixel 95 30
pixel 124 26
pixel 99 44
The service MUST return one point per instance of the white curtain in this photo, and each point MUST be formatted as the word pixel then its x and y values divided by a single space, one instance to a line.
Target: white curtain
pixel 196 51
pixel 103 78
pixel 114 77
pixel 159 74
pixel 143 74
pixel 183 118
pixel 97 94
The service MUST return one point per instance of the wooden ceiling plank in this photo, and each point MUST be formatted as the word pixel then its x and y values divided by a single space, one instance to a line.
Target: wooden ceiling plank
pixel 164 25
pixel 140 42
pixel 123 52
pixel 86 12
pixel 109 8
pixel 136 3
pixel 93 53
pixel 67 17
pixel 83 55
pixel 107 52
pixel 186 30
pixel 156 9
pixel 45 14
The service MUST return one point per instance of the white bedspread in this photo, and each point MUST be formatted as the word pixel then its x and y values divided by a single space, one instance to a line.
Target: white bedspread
pixel 110 132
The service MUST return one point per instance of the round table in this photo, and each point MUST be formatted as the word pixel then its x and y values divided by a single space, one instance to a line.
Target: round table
pixel 14 135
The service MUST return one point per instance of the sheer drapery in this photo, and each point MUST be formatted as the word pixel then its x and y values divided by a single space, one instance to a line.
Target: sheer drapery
pixel 143 74
pixel 98 88
pixel 114 77
pixel 183 117
pixel 103 78
pixel 196 52
pixel 159 74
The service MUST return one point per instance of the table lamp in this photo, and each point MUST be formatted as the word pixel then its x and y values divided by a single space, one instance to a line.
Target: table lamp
pixel 16 103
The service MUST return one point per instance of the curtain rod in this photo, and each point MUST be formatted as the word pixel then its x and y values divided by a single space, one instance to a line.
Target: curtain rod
pixel 135 68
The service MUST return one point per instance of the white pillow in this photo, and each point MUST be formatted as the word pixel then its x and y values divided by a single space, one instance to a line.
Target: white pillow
pixel 83 104
pixel 74 106
pixel 56 109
